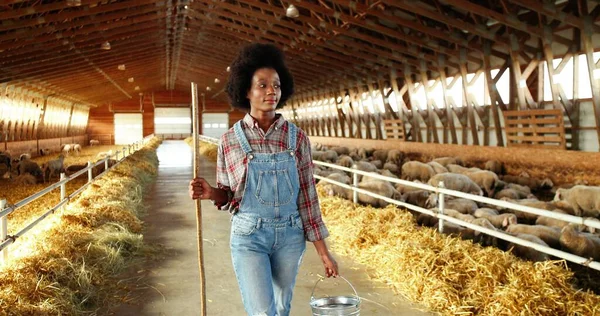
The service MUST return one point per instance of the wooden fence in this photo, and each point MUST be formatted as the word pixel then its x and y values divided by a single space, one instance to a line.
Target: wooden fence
pixel 535 129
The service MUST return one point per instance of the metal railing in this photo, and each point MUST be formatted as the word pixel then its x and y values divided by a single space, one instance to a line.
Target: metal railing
pixel 442 217
pixel 6 209
pixel 442 192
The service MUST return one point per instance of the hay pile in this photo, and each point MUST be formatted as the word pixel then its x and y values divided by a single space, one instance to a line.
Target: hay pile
pixel 65 266
pixel 446 274
pixel 207 149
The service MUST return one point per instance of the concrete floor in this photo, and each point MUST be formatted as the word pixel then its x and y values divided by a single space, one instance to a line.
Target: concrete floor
pixel 168 283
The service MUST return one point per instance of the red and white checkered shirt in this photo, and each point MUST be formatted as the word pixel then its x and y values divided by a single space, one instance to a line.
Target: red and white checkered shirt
pixel 231 169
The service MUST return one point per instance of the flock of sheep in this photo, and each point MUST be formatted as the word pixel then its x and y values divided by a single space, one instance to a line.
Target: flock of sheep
pixel 22 170
pixel 491 181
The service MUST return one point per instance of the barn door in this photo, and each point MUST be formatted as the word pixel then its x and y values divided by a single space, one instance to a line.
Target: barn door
pixel 215 124
pixel 128 128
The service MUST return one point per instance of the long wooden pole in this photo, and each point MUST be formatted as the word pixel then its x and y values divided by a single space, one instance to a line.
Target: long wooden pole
pixel 195 134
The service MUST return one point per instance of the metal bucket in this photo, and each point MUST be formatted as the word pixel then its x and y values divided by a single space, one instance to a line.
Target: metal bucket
pixel 335 305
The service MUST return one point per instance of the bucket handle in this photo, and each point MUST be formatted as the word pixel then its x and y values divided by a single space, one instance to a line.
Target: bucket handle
pixel 321 279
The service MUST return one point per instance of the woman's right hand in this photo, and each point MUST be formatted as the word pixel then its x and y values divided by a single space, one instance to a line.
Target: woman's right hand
pixel 200 189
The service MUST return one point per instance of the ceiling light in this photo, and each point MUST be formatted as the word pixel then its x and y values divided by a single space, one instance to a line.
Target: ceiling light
pixel 228 69
pixel 130 79
pixel 73 3
pixel 121 67
pixel 208 89
pixel 136 88
pixel 217 80
pixel 105 45
pixel 292 12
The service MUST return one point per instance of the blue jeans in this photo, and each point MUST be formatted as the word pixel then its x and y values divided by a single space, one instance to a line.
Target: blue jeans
pixel 266 254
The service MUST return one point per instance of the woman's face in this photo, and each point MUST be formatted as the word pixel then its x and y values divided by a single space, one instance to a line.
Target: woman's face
pixel 265 90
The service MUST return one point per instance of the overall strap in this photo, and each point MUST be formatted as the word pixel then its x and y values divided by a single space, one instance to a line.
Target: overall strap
pixel 292 131
pixel 239 133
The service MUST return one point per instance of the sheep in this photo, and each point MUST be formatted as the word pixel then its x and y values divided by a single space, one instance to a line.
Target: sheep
pixel 532 183
pixel 383 188
pixel 381 154
pixel 387 173
pixel 55 166
pixel 455 230
pixel 66 149
pixel 104 154
pixel 345 161
pixel 486 180
pixel 552 222
pixel 394 156
pixel 497 220
pixel 415 170
pixel 457 182
pixel 24 157
pixel 549 235
pixel 405 188
pixel 28 166
pixel 456 168
pixel 445 161
pixel 377 163
pixel 364 166
pixel 508 193
pixel 340 150
pixel 101 168
pixel 585 200
pixel 437 167
pixel 526 252
pixel 316 155
pixel 74 168
pixel 483 238
pixel 94 142
pixel 6 160
pixel 494 166
pixel 484 211
pixel 333 189
pixel 392 167
pixel 365 153
pixel 584 245
pixel 45 151
pixel 330 156
pixel 464 206
pixel 77 148
pixel 458 215
pixel 418 198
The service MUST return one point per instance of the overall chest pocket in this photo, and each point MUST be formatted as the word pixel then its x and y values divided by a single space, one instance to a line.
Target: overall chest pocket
pixel 274 187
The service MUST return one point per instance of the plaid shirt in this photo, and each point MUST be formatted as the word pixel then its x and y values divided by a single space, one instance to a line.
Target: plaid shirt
pixel 231 169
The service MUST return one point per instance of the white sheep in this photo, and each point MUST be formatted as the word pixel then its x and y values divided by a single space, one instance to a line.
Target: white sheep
pixel 317 155
pixel 341 150
pixel 387 173
pixel 497 220
pixel 395 156
pixel 405 188
pixel 526 252
pixel 380 154
pixel 456 168
pixel 383 188
pixel 532 183
pixel 66 149
pixel 552 222
pixel 336 190
pixel 345 161
pixel 494 166
pixel 585 200
pixel 437 167
pixel 364 166
pixel 392 167
pixel 418 197
pixel 365 153
pixel 581 244
pixel 416 170
pixel 24 157
pixel 104 154
pixel 445 161
pixel 464 206
pixel 486 180
pixel 549 235
pixel 76 148
pixel 45 151
pixel 94 142
pixel 329 156
pixel 457 182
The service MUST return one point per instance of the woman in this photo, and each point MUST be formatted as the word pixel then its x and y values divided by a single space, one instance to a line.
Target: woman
pixel 265 179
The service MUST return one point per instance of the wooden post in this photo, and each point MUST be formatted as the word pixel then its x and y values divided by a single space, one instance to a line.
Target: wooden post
pixel 195 140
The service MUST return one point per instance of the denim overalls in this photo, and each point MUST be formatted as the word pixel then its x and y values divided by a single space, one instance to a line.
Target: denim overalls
pixel 267 237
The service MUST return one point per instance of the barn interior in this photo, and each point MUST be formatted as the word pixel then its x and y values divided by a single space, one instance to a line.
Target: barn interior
pixel 515 81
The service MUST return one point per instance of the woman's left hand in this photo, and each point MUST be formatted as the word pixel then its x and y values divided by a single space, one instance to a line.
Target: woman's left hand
pixel 331 267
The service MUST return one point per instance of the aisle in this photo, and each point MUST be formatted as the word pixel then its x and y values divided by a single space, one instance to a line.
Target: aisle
pixel 168 284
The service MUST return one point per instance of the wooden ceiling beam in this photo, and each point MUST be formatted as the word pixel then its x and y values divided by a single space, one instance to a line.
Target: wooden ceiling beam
pixel 82 32
pixel 84 41
pixel 82 11
pixel 510 20
pixel 550 10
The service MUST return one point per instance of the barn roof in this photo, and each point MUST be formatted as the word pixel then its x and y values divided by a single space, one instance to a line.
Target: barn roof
pixel 60 47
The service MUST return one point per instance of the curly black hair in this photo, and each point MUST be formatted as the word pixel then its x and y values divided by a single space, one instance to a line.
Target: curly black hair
pixel 250 59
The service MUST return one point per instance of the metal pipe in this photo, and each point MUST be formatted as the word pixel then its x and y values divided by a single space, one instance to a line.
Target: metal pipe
pixel 355 184
pixel 3 233
pixel 89 171
pixel 63 187
pixel 441 207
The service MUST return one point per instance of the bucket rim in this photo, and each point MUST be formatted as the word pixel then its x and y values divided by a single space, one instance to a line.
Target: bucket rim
pixel 312 294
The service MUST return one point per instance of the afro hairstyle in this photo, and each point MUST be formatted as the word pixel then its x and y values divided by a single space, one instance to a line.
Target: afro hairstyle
pixel 251 58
